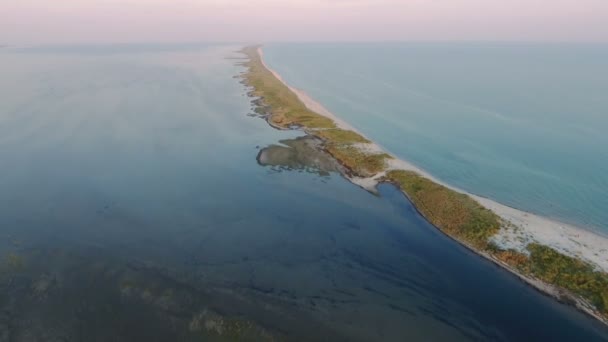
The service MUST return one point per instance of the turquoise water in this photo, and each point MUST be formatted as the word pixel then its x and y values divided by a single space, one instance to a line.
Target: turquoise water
pixel 524 124
pixel 133 209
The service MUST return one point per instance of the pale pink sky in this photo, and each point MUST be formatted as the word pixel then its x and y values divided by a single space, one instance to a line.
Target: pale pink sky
pixel 107 21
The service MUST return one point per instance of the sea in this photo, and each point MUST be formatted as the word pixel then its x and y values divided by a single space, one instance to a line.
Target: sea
pixel 521 123
pixel 135 206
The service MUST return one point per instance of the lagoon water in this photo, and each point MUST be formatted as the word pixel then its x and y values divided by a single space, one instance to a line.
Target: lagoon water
pixel 523 124
pixel 133 209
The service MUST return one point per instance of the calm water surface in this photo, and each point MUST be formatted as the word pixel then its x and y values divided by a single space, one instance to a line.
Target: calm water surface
pixel 524 124
pixel 133 208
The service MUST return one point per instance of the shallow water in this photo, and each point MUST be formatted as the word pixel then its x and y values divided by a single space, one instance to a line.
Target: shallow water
pixel 133 208
pixel 524 124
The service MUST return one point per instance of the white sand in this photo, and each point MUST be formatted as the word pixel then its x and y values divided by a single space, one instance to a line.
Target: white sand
pixel 520 228
pixel 308 101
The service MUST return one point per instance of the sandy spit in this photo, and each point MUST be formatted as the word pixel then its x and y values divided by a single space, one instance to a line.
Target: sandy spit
pixel 520 229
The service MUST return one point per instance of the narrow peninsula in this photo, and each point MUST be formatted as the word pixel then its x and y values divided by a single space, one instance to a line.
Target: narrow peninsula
pixel 533 248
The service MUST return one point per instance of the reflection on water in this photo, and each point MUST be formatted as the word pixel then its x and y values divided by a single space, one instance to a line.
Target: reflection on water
pixel 132 209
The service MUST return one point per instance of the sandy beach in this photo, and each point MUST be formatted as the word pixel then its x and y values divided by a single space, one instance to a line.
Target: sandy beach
pixel 520 228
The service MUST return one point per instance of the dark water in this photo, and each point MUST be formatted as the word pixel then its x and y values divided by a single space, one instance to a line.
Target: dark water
pixel 133 209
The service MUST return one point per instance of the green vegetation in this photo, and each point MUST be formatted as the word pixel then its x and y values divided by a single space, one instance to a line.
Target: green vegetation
pixel 569 273
pixel 461 217
pixel 360 163
pixel 511 257
pixel 458 215
pixel 341 136
pixel 552 267
pixel 287 109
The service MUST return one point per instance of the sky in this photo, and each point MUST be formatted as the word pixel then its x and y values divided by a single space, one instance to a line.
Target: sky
pixel 126 21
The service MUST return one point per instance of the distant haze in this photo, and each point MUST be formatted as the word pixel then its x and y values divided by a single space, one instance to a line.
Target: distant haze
pixel 120 21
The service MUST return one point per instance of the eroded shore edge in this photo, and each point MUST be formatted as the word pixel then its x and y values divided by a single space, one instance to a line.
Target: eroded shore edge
pixel 561 260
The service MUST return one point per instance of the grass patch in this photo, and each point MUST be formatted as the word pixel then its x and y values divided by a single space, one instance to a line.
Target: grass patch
pixel 555 268
pixel 461 217
pixel 511 257
pixel 362 164
pixel 287 109
pixel 341 136
pixel 456 214
pixel 570 273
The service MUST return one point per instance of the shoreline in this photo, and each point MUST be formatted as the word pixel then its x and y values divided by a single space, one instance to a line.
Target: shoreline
pixel 574 241
pixel 517 230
